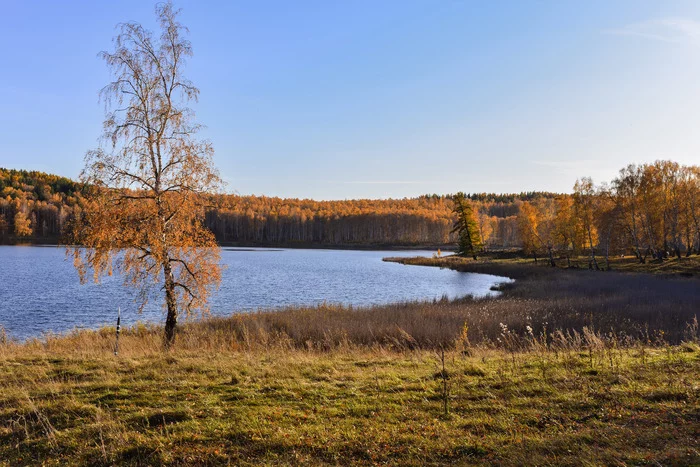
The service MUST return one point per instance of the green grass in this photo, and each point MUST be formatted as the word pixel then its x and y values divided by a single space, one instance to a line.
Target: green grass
pixel 633 406
pixel 685 266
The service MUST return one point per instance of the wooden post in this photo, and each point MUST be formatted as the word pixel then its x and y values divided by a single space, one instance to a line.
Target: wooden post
pixel 119 319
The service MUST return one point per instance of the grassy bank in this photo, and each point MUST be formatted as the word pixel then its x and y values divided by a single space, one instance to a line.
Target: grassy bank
pixel 564 368
pixel 516 261
pixel 351 406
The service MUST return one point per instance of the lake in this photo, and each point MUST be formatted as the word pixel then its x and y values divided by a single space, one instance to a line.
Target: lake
pixel 40 291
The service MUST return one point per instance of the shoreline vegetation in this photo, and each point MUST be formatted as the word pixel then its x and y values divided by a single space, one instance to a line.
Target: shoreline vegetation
pixel 564 367
pixel 513 264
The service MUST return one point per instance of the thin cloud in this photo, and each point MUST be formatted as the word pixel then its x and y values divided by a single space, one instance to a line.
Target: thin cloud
pixel 672 30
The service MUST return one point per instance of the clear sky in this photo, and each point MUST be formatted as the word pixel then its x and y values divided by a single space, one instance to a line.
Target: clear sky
pixel 375 99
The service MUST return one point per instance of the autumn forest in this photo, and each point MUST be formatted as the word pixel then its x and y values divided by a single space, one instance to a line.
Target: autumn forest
pixel 649 210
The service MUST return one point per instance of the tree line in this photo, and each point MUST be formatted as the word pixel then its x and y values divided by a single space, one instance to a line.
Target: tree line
pixel 425 220
pixel 36 206
pixel 651 211
pixel 39 207
pixel 648 210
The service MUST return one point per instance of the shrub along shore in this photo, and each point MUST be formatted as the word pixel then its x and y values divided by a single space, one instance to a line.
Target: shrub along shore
pixel 564 367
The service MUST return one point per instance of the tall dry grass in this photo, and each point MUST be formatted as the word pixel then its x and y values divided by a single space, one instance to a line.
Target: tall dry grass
pixel 553 308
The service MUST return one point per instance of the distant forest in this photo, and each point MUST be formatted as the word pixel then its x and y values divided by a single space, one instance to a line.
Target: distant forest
pixel 38 207
pixel 649 210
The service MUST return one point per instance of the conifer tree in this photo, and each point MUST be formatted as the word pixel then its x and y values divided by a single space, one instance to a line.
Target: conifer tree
pixel 466 226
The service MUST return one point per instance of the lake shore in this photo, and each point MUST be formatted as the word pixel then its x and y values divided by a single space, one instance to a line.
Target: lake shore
pixel 345 246
pixel 513 264
pixel 56 241
pixel 564 368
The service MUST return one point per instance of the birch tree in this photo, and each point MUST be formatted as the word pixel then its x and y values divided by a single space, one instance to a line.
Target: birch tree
pixel 150 178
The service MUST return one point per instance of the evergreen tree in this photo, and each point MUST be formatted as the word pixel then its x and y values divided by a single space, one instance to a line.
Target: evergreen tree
pixel 467 227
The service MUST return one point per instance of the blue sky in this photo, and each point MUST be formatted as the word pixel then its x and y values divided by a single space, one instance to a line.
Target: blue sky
pixel 377 99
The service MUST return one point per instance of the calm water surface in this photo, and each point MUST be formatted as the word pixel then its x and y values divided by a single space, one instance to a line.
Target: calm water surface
pixel 40 291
